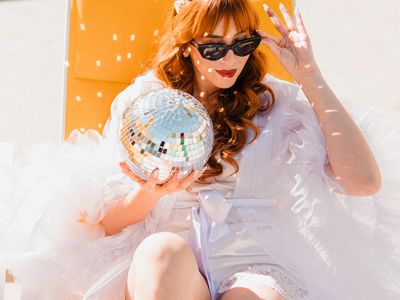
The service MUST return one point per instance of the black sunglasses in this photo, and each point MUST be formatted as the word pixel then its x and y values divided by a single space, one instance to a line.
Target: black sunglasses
pixel 216 51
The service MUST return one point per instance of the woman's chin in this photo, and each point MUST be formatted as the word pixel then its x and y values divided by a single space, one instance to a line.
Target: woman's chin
pixel 225 84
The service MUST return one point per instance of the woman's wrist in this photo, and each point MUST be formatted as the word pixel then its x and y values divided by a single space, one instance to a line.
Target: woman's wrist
pixel 151 194
pixel 310 79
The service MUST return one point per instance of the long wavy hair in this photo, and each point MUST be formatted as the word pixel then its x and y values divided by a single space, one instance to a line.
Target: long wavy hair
pixel 238 104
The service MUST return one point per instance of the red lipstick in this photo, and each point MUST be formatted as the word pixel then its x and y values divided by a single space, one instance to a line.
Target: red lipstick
pixel 227 73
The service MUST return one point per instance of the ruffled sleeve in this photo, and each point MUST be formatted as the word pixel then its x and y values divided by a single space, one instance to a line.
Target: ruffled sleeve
pixel 328 240
pixel 291 146
pixel 140 85
pixel 118 185
pixel 307 158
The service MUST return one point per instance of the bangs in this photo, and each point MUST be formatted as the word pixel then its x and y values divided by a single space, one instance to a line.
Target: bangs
pixel 210 13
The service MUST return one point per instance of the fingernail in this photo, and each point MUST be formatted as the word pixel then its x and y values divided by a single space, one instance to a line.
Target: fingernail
pixel 265 6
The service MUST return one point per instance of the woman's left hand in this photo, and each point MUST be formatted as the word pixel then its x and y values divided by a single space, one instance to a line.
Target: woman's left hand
pixel 293 50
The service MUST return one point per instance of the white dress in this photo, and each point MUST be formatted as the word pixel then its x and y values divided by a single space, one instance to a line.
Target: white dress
pixel 277 222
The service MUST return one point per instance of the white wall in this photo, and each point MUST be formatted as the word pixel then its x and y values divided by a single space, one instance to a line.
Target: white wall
pixel 357 45
pixel 31 72
pixel 355 42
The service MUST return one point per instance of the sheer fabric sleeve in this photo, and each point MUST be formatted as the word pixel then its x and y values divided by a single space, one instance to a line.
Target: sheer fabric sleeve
pixel 290 147
pixel 140 85
pixel 118 185
pixel 328 241
pixel 98 181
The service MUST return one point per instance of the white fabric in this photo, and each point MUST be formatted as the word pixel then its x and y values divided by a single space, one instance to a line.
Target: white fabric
pixel 260 275
pixel 336 247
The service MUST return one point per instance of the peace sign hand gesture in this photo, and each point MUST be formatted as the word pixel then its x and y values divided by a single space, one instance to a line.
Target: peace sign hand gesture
pixel 293 50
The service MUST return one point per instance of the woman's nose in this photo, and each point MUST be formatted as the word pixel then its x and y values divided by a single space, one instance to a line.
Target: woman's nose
pixel 229 56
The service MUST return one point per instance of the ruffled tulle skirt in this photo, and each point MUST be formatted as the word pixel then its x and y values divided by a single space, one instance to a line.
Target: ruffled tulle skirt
pixel 50 236
pixel 338 247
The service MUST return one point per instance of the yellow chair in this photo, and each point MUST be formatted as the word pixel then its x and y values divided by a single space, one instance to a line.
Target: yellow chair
pixel 110 43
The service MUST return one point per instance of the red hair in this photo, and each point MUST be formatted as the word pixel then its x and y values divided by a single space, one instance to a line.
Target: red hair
pixel 237 104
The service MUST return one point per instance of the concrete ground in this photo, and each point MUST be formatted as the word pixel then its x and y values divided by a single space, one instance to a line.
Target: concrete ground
pixel 355 42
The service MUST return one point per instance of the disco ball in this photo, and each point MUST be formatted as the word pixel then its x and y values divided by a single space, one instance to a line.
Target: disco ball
pixel 166 129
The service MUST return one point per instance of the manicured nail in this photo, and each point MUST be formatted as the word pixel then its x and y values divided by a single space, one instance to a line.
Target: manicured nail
pixel 265 6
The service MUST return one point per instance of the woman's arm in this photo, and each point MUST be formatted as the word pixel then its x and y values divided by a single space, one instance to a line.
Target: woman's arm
pixel 129 210
pixel 351 160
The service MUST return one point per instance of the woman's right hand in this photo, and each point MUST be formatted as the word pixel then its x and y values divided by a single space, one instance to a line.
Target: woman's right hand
pixel 172 185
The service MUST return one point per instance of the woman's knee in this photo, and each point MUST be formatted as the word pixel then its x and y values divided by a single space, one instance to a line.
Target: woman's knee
pixel 162 247
pixel 168 260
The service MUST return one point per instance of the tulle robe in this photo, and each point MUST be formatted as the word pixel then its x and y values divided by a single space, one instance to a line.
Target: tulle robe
pixel 334 246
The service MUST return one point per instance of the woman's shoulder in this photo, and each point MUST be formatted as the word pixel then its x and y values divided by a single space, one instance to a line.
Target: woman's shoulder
pixel 148 78
pixel 290 101
pixel 280 85
pixel 141 84
pixel 285 92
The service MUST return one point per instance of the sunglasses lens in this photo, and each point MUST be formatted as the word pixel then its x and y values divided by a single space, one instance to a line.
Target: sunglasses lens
pixel 218 51
pixel 214 53
pixel 246 47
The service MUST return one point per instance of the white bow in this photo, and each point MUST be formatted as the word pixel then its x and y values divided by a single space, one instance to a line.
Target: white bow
pixel 217 209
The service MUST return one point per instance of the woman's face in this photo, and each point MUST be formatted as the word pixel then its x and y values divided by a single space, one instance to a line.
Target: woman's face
pixel 209 71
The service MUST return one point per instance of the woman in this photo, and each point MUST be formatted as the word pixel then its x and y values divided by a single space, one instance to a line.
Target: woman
pixel 294 147
pixel 189 60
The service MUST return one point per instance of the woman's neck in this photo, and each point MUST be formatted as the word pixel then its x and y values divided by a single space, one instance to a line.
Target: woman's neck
pixel 206 93
pixel 202 87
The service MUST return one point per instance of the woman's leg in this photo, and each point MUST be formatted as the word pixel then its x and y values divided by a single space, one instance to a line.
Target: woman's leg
pixel 252 292
pixel 164 267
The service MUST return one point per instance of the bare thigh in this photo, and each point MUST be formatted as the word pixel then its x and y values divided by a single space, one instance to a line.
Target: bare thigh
pixel 169 248
pixel 251 292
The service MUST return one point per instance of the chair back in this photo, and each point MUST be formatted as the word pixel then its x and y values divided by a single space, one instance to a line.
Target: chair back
pixel 109 43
